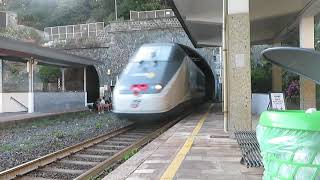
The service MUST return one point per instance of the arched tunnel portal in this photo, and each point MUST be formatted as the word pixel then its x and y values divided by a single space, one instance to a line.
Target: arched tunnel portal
pixel 93 84
pixel 206 69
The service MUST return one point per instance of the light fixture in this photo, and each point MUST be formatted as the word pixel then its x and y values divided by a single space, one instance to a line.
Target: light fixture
pixel 158 87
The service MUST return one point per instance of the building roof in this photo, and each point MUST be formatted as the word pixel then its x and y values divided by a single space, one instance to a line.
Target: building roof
pixel 20 51
pixel 270 21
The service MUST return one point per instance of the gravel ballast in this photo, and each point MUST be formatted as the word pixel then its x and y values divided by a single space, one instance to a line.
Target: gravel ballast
pixel 43 136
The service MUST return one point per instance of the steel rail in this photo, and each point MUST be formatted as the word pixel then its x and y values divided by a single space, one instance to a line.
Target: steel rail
pixel 50 158
pixel 38 164
pixel 98 170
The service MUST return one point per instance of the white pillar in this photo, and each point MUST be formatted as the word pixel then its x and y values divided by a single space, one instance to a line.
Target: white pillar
pixel 238 67
pixel 1 84
pixel 85 85
pixel 63 85
pixel 307 87
pixel 30 93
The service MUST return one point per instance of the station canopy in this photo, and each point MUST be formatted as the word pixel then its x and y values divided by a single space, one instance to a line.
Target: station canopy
pixel 19 51
pixel 270 20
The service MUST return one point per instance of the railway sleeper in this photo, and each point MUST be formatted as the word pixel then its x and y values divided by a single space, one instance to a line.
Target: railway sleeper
pixel 130 136
pixel 135 134
pixel 63 171
pixel 88 163
pixel 111 147
pixel 70 166
pixel 73 158
pixel 124 139
pixel 103 151
pixel 90 156
pixel 111 142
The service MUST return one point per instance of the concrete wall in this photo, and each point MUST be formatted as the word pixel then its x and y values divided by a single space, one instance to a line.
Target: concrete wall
pixel 58 101
pixel 121 39
pixel 9 105
pixel 260 103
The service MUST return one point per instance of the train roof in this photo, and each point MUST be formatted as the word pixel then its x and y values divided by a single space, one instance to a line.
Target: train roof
pixel 192 53
pixel 198 60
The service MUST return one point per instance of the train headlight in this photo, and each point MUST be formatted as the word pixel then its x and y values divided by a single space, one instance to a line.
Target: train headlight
pixel 158 87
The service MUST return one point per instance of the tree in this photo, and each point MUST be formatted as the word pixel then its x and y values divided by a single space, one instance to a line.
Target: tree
pixel 261 78
pixel 46 13
pixel 137 5
pixel 48 74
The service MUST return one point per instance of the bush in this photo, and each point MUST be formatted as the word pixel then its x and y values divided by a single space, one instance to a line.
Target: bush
pixel 261 78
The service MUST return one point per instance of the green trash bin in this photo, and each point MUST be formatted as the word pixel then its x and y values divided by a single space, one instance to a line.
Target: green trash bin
pixel 290 144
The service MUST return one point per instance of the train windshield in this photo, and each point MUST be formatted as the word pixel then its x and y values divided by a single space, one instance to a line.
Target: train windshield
pixel 152 53
pixel 151 67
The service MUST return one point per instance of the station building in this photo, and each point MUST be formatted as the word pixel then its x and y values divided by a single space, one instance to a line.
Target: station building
pixel 236 25
pixel 37 79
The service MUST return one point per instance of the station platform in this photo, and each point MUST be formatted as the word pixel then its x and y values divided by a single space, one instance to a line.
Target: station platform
pixel 195 148
pixel 15 118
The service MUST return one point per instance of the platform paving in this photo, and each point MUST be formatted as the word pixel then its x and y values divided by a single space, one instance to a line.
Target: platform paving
pixel 213 155
pixel 13 119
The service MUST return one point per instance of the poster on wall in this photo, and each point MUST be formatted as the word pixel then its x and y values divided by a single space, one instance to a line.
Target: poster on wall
pixel 277 101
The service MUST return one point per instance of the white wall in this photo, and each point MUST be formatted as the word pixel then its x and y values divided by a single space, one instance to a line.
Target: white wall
pixel 260 103
pixel 9 105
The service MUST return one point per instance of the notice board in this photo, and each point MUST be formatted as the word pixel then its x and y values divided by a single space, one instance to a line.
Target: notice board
pixel 277 101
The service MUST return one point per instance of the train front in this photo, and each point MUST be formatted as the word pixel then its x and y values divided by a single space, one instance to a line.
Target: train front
pixel 141 92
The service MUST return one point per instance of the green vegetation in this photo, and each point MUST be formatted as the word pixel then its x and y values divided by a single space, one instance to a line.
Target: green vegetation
pixel 99 125
pixel 48 121
pixel 49 73
pixel 261 77
pixel 129 154
pixel 58 134
pixel 27 145
pixel 5 147
pixel 24 33
pixel 46 13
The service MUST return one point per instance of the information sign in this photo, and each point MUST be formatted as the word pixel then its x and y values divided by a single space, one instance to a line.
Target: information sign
pixel 277 101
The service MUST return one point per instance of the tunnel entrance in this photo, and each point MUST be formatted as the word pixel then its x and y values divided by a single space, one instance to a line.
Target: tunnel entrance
pixel 205 68
pixel 92 84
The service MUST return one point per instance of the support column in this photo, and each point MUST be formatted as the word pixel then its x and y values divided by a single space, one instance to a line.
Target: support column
pixel 30 93
pixel 63 85
pixel 1 84
pixel 276 78
pixel 238 65
pixel 307 87
pixel 85 85
pixel 276 75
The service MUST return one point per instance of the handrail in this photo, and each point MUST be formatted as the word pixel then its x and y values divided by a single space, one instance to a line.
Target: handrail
pixel 15 100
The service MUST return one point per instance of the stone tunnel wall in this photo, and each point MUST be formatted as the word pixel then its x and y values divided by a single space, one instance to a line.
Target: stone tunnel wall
pixel 124 38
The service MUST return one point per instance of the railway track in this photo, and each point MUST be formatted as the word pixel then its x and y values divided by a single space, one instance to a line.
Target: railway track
pixel 88 159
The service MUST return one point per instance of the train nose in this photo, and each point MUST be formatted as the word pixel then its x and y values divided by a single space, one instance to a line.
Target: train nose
pixel 137 88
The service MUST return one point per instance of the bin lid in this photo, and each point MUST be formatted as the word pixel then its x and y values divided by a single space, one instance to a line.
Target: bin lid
pixel 294 119
pixel 304 62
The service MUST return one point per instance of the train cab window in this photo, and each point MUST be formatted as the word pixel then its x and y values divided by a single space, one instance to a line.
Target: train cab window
pixel 150 53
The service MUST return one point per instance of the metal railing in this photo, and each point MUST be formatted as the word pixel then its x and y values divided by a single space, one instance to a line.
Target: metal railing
pixel 90 30
pixel 22 105
pixel 140 15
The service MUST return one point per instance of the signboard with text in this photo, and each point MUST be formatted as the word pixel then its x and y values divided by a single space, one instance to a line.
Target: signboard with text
pixel 277 101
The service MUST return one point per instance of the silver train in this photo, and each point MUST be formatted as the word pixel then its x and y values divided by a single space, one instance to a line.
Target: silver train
pixel 160 80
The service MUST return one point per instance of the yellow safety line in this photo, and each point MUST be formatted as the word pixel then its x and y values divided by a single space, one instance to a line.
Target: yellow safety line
pixel 175 164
